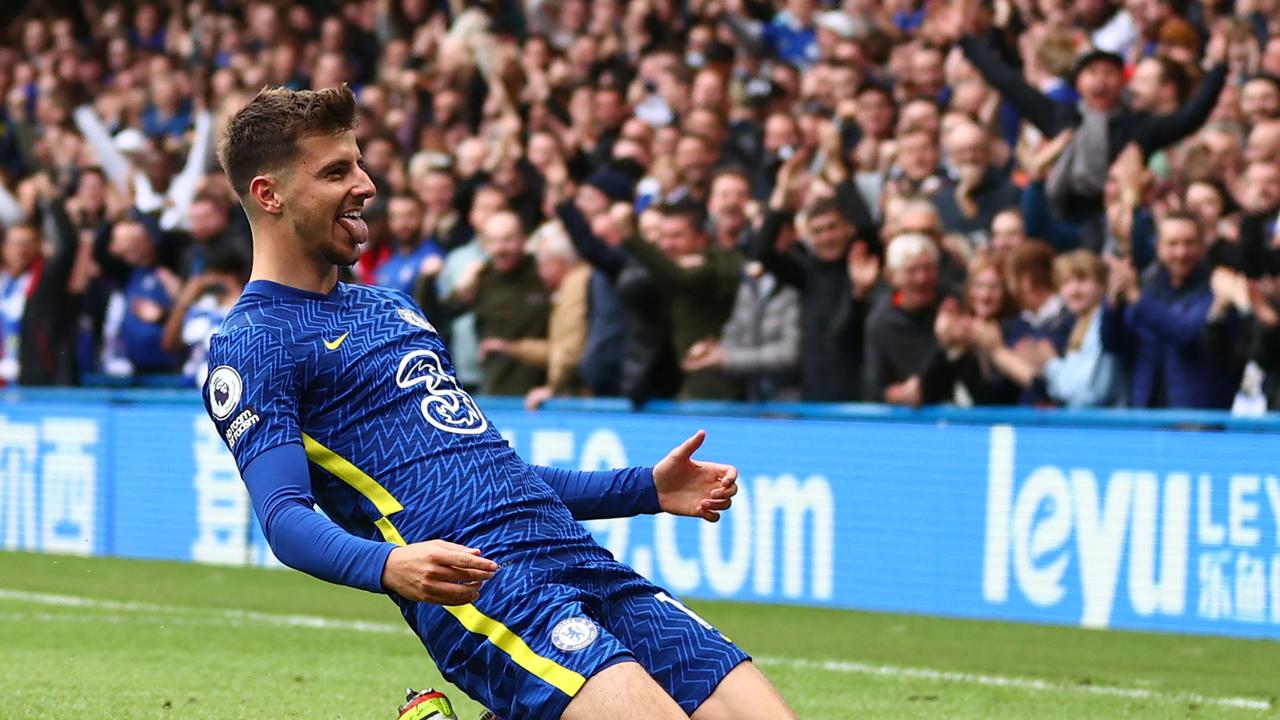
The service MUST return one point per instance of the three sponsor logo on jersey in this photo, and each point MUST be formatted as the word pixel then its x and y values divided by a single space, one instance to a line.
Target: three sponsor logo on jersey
pixel 225 391
pixel 446 406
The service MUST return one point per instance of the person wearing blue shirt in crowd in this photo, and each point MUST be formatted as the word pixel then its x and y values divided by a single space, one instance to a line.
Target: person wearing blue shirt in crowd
pixel 412 255
pixel 128 256
pixel 790 35
pixel 1161 326
pixel 166 114
pixel 344 396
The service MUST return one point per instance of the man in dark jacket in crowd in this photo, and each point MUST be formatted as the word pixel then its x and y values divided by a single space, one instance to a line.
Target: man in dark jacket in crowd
pixel 510 303
pixel 701 280
pixel 38 311
pixel 1163 327
pixel 901 347
pixel 832 309
pixel 647 366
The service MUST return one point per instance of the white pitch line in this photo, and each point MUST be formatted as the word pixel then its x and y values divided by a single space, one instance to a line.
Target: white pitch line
pixel 845 667
pixel 1021 683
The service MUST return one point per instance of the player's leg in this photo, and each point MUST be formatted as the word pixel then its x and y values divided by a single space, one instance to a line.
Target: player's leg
pixel 685 655
pixel 744 694
pixel 622 692
pixel 525 654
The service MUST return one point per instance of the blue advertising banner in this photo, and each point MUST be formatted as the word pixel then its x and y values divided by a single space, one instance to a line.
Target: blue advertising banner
pixel 1144 529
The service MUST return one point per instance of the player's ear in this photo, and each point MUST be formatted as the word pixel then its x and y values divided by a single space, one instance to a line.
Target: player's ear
pixel 264 192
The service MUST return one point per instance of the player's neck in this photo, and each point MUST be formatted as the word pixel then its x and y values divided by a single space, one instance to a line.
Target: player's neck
pixel 282 260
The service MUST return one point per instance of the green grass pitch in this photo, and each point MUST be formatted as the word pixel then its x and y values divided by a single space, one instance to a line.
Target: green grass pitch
pixel 106 638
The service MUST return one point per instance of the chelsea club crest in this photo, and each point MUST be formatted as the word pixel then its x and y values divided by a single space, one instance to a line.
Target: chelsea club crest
pixel 574 633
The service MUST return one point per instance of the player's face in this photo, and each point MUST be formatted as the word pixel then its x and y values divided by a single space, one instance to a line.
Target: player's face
pixel 323 195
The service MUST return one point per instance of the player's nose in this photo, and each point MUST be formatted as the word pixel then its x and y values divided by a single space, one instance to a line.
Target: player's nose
pixel 364 188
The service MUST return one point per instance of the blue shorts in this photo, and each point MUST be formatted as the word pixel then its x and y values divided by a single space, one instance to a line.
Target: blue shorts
pixel 525 654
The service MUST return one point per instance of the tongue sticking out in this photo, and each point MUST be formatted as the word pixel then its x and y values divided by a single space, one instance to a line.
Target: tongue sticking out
pixel 357 228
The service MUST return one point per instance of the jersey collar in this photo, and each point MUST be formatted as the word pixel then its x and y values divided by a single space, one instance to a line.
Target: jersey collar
pixel 277 290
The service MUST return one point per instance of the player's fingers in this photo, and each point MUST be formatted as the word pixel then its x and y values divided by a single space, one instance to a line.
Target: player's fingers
pixel 724 504
pixel 445 544
pixel 687 448
pixel 463 560
pixel 710 516
pixel 724 491
pixel 459 574
pixel 728 474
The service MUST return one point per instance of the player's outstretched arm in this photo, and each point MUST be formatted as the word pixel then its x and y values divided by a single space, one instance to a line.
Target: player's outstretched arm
pixel 694 488
pixel 678 485
pixel 602 494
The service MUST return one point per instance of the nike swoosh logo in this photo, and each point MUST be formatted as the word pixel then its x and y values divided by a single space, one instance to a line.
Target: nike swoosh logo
pixel 333 344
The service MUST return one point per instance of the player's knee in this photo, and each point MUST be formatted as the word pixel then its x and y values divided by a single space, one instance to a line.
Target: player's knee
pixel 745 694
pixel 625 692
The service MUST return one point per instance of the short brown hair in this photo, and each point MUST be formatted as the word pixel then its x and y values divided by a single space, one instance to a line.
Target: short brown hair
pixel 1033 258
pixel 1079 264
pixel 263 136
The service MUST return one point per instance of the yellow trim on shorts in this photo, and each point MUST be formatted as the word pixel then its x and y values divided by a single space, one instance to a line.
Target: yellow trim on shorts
pixel 371 489
pixel 553 673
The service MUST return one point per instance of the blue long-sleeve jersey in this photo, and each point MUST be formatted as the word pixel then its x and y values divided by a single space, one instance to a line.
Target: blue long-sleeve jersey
pixel 347 400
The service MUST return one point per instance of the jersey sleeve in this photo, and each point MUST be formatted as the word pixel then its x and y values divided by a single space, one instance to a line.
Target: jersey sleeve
pixel 280 488
pixel 600 494
pixel 252 392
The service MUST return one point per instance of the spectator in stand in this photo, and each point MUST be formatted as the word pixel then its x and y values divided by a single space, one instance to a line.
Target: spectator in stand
pixel 208 227
pixel 462 262
pixel 760 344
pixel 412 255
pixel 1159 327
pixel 1041 313
pixel 701 279
pixel 152 182
pixel 817 266
pixel 978 191
pixel 567 280
pixel 510 303
pixel 965 371
pixel 900 344
pixel 145 292
pixel 1085 375
pixel 790 35
pixel 38 308
pixel 1260 99
pixel 198 310
pixel 1008 231
pixel 727 209
pixel 646 361
pixel 441 223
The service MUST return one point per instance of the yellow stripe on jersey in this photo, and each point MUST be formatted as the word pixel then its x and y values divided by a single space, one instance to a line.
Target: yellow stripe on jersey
pixel 558 676
pixel 389 531
pixel 553 673
pixel 342 469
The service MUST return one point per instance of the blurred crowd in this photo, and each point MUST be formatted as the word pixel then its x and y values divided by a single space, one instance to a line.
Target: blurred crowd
pixel 1037 202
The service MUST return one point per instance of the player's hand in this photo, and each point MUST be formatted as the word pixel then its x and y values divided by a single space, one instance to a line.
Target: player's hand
pixel 691 488
pixel 437 571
